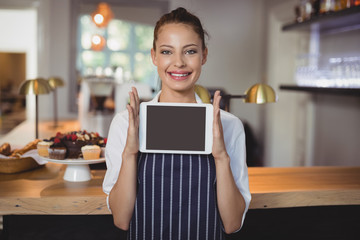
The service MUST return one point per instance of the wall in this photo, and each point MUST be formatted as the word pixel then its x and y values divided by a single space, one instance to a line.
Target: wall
pixel 283 146
pixel 54 55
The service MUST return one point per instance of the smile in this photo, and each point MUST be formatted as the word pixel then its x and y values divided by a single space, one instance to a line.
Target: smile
pixel 180 74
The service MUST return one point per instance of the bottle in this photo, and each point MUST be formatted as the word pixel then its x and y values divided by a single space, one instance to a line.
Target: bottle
pixel 339 5
pixel 356 2
pixel 327 6
pixel 315 8
pixel 305 9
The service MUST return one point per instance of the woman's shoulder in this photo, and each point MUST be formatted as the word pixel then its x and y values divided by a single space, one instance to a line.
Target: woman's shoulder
pixel 229 117
pixel 121 118
pixel 230 121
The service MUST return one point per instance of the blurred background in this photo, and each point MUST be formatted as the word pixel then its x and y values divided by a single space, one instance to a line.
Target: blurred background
pixel 308 51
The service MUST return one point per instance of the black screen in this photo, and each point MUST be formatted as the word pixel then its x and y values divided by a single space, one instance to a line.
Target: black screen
pixel 175 128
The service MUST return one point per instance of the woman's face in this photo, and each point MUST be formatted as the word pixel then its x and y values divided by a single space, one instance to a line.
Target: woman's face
pixel 179 57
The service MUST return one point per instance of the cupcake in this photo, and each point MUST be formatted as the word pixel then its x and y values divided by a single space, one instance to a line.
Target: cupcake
pixel 91 152
pixel 43 146
pixel 102 144
pixel 57 150
pixel 73 145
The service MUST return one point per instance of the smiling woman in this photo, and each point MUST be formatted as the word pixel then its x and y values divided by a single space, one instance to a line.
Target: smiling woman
pixel 166 194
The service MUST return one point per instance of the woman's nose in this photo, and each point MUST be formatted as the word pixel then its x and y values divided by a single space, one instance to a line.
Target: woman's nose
pixel 179 61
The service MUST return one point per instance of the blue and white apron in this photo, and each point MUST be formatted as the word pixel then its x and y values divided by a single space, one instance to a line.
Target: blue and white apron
pixel 176 198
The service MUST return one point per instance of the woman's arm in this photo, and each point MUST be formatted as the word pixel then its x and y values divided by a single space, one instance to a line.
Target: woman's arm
pixel 123 194
pixel 230 201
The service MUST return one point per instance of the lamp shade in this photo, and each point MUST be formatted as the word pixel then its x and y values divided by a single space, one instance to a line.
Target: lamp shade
pixel 203 93
pixel 97 42
pixel 260 93
pixel 102 15
pixel 55 82
pixel 35 86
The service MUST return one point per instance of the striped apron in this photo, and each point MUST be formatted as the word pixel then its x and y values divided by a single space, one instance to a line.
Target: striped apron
pixel 176 198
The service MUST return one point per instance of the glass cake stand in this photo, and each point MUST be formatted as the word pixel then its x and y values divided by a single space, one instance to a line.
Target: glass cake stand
pixel 77 170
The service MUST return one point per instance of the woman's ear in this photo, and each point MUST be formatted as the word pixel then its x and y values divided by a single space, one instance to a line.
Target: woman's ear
pixel 204 57
pixel 153 57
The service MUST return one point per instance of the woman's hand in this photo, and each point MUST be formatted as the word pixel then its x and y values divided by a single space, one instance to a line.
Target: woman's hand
pixel 218 148
pixel 123 194
pixel 132 141
pixel 230 202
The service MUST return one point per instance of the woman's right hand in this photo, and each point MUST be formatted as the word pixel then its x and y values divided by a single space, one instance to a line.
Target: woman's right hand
pixel 132 141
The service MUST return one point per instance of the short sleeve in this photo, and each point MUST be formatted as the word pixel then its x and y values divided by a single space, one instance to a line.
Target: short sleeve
pixel 234 136
pixel 114 149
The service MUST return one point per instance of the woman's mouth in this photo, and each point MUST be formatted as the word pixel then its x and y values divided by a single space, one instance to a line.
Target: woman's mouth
pixel 179 76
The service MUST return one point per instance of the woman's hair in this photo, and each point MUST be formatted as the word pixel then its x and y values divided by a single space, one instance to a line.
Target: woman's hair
pixel 181 15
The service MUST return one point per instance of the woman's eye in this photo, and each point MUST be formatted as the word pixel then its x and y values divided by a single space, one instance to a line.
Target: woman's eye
pixel 165 52
pixel 191 51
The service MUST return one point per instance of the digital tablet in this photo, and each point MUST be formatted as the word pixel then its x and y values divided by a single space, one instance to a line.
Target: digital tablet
pixel 176 128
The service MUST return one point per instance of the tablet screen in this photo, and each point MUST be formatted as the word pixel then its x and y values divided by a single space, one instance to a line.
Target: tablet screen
pixel 175 128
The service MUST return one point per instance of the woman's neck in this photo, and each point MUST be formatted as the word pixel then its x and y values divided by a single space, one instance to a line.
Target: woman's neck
pixel 179 97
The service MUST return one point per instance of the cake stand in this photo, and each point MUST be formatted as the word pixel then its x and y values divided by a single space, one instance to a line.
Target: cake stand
pixel 77 170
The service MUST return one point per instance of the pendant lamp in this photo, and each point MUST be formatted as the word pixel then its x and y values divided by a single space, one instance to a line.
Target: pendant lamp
pixel 102 15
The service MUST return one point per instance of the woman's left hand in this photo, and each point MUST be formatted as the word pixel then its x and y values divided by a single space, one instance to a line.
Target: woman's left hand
pixel 218 148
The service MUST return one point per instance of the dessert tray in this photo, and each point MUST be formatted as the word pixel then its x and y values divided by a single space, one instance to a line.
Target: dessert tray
pixel 77 170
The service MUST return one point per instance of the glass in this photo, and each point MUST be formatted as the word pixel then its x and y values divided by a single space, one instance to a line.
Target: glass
pixel 144 68
pixel 144 37
pixel 120 60
pixel 341 72
pixel 93 59
pixel 118 35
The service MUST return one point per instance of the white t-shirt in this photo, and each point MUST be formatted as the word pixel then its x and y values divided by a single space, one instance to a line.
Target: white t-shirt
pixel 234 136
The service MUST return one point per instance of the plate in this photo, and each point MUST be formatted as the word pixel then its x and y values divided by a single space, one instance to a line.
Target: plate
pixel 76 161
pixel 77 170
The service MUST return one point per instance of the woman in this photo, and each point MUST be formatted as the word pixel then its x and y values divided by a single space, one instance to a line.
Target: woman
pixel 177 196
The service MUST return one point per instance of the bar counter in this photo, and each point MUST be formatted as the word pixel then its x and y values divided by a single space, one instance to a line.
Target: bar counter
pixel 44 192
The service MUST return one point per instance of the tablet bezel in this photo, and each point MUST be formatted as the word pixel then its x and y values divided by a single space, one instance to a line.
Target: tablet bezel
pixel 208 127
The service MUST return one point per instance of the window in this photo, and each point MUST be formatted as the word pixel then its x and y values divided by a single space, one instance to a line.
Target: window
pixel 126 48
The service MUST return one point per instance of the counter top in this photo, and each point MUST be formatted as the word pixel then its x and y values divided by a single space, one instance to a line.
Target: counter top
pixel 44 192
pixel 304 186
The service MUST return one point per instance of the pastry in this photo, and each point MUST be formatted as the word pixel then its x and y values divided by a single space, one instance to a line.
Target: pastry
pixel 30 146
pixel 42 148
pixel 102 144
pixel 73 146
pixel 91 152
pixel 5 149
pixel 57 150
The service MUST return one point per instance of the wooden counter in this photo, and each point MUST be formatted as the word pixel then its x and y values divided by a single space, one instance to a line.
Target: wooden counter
pixel 43 191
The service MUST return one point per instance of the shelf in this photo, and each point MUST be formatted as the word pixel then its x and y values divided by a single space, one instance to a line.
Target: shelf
pixel 344 20
pixel 325 90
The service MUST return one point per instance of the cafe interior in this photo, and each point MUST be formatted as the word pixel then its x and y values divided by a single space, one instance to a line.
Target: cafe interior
pixel 62 71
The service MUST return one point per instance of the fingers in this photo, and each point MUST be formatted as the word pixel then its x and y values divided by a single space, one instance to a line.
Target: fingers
pixel 216 104
pixel 131 116
pixel 134 100
pixel 217 120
